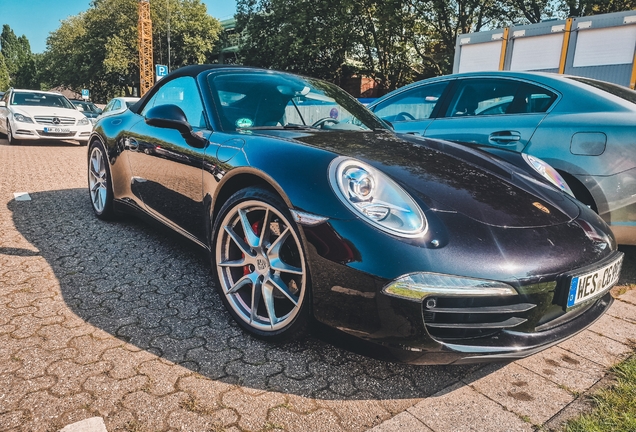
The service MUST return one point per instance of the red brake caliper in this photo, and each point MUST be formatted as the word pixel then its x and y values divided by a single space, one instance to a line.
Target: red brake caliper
pixel 256 227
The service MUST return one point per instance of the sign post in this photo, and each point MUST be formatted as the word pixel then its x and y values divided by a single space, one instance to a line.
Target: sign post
pixel 161 71
pixel 85 94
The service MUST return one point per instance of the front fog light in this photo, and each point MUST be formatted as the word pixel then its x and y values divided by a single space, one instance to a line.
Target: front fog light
pixel 418 286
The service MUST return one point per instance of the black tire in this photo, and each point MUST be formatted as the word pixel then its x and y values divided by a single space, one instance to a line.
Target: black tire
pixel 264 281
pixel 100 186
pixel 10 137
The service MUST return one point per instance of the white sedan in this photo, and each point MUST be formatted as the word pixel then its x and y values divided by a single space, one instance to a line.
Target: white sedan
pixel 33 115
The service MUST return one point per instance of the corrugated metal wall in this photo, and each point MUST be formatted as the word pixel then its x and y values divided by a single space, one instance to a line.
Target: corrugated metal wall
pixel 601 47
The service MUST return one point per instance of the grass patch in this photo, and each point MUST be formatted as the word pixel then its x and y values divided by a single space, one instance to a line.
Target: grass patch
pixel 614 407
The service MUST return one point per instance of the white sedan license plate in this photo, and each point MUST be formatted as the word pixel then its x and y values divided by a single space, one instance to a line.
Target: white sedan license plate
pixel 56 130
pixel 594 284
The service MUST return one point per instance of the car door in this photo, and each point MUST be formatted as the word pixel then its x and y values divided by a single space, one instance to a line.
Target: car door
pixel 412 110
pixel 499 112
pixel 166 166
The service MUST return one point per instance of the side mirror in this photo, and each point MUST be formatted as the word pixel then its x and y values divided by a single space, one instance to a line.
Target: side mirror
pixel 169 117
pixel 98 111
pixel 3 104
pixel 80 108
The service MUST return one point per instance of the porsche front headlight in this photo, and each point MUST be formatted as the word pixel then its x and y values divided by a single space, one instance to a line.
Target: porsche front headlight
pixel 547 172
pixel 376 198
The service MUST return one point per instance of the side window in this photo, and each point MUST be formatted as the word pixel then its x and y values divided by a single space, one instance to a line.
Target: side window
pixel 481 97
pixel 184 93
pixel 116 104
pixel 414 104
pixel 109 106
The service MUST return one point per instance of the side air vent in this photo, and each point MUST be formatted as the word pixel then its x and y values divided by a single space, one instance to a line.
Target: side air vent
pixel 449 318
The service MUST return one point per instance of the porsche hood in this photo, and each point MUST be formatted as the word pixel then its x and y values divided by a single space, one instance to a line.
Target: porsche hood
pixel 454 178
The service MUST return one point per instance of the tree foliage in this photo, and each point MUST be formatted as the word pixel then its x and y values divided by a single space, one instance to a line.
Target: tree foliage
pixel 392 41
pixel 98 50
pixel 4 74
pixel 20 62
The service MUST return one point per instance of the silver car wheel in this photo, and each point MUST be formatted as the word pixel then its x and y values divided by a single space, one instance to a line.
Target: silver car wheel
pixel 97 180
pixel 261 265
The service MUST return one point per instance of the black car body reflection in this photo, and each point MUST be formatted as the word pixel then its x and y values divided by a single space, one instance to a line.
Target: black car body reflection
pixel 311 207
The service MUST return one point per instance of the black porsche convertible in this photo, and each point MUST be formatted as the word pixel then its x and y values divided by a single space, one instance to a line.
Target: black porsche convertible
pixel 311 208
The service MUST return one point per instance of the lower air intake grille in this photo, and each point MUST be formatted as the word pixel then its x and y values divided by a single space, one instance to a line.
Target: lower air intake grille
pixel 449 318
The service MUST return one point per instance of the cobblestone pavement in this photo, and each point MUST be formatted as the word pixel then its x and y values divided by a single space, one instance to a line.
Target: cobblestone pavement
pixel 119 320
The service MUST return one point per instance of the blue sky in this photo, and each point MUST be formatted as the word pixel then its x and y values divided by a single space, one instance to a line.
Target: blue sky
pixel 37 18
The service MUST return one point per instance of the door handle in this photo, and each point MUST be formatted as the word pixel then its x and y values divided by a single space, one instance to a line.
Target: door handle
pixel 504 137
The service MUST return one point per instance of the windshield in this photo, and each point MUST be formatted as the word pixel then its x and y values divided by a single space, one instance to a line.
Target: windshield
pixel 40 99
pixel 615 89
pixel 265 99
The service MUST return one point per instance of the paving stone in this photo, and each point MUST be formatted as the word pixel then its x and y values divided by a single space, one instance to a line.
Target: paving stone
pixel 623 310
pixel 153 412
pixel 253 409
pixel 462 408
pixel 617 329
pixel 629 296
pixel 320 420
pixel 405 421
pixel 521 391
pixel 566 369
pixel 357 413
pixel 109 392
pixel 599 349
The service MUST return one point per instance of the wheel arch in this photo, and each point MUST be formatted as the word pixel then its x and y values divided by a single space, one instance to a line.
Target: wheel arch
pixel 241 178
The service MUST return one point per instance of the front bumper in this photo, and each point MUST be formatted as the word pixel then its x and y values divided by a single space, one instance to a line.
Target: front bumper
pixel 350 268
pixel 35 131
pixel 506 345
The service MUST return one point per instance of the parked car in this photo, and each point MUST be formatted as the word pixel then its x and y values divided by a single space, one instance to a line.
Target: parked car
pixel 89 109
pixel 117 105
pixel 584 128
pixel 311 208
pixel 34 115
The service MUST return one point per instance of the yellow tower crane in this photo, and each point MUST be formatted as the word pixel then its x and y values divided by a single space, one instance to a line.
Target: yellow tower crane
pixel 144 28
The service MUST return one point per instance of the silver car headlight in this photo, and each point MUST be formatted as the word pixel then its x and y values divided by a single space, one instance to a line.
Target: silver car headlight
pixel 83 122
pixel 376 198
pixel 22 118
pixel 547 172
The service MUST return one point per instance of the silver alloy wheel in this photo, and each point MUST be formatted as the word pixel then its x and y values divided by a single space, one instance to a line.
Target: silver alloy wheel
pixel 97 179
pixel 261 265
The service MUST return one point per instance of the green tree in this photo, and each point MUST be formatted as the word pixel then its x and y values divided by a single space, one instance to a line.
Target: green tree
pixel 4 74
pixel 301 36
pixel 97 49
pixel 577 8
pixel 20 61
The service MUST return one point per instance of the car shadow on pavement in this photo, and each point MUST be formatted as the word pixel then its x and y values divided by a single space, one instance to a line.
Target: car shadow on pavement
pixel 152 289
